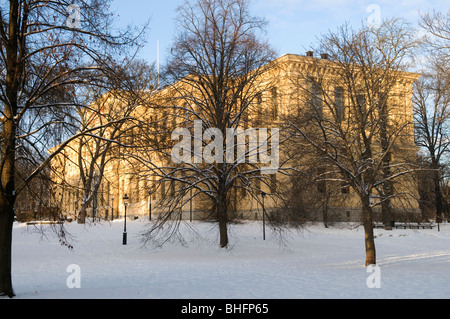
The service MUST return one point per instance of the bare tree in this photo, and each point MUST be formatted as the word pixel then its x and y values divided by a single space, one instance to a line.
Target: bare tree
pixel 431 101
pixel 351 115
pixel 216 67
pixel 437 25
pixel 48 49
pixel 113 115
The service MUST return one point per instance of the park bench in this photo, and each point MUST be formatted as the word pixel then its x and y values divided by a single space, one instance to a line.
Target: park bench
pixel 414 225
pixel 406 225
pixel 45 222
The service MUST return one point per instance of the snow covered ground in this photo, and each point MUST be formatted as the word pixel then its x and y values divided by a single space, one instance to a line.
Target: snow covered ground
pixel 314 263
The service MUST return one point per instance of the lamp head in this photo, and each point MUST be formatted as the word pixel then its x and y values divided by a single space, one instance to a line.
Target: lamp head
pixel 125 199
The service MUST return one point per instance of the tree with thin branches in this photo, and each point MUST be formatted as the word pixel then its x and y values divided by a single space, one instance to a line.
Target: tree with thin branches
pixel 215 72
pixel 431 101
pixel 352 116
pixel 48 49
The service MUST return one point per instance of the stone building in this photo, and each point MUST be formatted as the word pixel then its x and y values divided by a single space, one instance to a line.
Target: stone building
pixel 121 174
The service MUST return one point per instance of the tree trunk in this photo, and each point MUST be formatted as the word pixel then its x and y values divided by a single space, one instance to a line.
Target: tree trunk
pixel 325 212
pixel 87 199
pixel 82 215
pixel 386 208
pixel 438 194
pixel 386 192
pixel 223 232
pixel 7 185
pixel 7 199
pixel 6 223
pixel 368 232
pixel 222 216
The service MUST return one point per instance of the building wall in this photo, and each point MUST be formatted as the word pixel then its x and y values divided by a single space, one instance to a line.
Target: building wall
pixel 119 178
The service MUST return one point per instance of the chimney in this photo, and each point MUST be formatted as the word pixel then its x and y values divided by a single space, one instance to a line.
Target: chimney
pixel 309 53
pixel 324 56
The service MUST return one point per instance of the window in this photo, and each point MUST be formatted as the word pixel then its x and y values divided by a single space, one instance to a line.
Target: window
pixel 361 103
pixel 163 121
pixel 132 189
pixel 163 189
pixel 244 118
pixel 186 115
pixel 321 183
pixel 274 109
pixel 273 182
pixel 259 112
pixel 137 189
pixel 339 103
pixel 102 194
pixel 172 188
pixel 316 98
pixel 345 188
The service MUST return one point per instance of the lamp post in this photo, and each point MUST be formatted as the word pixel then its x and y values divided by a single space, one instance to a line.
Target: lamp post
pixel 190 207
pixel 125 203
pixel 264 214
pixel 150 205
pixel 112 207
pixel 75 208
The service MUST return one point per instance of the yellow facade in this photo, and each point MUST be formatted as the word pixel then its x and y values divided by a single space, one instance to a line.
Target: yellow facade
pixel 124 176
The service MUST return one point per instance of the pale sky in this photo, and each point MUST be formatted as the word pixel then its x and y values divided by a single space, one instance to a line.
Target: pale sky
pixel 293 24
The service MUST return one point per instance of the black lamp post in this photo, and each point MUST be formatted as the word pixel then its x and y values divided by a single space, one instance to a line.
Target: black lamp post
pixel 112 207
pixel 264 214
pixel 190 207
pixel 125 203
pixel 150 205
